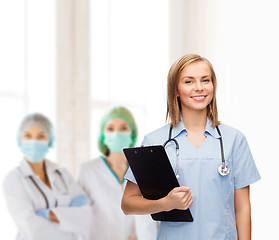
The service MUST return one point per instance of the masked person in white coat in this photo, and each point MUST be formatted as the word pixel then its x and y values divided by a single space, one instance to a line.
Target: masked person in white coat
pixel 42 197
pixel 103 178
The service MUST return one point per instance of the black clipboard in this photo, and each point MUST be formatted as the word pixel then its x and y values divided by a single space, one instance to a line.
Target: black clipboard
pixel 155 178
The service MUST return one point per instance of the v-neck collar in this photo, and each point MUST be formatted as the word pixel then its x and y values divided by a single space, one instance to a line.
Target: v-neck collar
pixel 112 172
pixel 27 170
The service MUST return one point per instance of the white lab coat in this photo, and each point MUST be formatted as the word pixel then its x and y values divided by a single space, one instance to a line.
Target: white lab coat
pixel 146 227
pixel 105 193
pixel 24 199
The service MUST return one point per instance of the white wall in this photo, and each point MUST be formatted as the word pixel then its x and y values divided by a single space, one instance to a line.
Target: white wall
pixel 240 38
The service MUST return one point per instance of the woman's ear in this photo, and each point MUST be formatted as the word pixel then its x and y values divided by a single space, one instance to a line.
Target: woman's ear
pixel 176 92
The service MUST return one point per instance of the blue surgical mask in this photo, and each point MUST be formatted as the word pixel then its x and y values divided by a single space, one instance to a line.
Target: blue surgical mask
pixel 34 150
pixel 116 141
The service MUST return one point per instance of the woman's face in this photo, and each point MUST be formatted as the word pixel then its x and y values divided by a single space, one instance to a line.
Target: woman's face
pixel 117 135
pixel 34 134
pixel 195 87
pixel 117 124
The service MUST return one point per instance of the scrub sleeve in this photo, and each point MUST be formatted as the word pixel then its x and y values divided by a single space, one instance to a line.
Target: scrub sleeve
pixel 245 171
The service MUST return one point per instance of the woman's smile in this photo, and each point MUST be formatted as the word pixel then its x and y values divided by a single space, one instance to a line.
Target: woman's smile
pixel 199 98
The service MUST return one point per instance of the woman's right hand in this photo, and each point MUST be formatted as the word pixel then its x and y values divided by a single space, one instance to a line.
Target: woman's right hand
pixel 134 203
pixel 53 217
pixel 178 198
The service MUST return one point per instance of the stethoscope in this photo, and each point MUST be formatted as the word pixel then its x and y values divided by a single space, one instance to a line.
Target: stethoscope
pixel 223 170
pixel 42 192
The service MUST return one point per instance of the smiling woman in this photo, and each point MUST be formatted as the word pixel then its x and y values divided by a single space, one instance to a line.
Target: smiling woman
pixel 192 76
pixel 195 85
pixel 219 198
pixel 195 91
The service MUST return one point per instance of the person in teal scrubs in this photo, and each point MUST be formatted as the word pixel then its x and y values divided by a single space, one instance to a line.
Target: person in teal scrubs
pixel 220 205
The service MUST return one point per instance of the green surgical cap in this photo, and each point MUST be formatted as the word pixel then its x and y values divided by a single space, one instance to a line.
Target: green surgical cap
pixel 119 112
pixel 36 120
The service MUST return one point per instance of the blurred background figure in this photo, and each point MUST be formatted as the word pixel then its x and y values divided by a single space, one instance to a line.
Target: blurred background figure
pixel 103 178
pixel 42 197
pixel 146 227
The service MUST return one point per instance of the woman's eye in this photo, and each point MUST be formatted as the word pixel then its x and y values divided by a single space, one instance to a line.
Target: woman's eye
pixel 42 136
pixel 188 81
pixel 206 80
pixel 109 129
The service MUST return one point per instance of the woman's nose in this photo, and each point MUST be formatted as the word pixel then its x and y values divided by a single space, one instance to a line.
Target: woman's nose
pixel 198 86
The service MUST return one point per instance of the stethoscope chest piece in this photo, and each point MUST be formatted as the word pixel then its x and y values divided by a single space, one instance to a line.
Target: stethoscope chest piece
pixel 224 170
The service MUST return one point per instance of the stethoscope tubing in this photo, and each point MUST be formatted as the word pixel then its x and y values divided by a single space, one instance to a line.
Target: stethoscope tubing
pixel 224 170
pixel 177 151
pixel 221 145
pixel 42 192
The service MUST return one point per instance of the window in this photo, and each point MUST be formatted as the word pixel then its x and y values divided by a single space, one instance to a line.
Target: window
pixel 27 79
pixel 129 61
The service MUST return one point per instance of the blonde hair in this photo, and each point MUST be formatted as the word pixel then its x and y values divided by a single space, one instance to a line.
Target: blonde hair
pixel 173 102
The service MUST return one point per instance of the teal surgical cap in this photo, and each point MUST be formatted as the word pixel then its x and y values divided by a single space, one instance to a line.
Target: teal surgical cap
pixel 36 120
pixel 119 112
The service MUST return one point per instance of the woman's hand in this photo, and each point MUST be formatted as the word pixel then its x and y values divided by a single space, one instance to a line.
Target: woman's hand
pixel 178 198
pixel 79 201
pixel 53 217
pixel 44 213
pixel 47 214
pixel 134 203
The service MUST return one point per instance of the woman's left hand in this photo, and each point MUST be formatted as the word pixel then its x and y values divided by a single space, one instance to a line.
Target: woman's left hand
pixel 79 201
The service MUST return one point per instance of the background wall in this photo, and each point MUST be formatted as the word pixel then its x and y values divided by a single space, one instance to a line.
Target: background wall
pixel 240 38
pixel 72 60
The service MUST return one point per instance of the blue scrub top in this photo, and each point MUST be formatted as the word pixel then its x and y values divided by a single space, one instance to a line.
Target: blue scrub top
pixel 212 194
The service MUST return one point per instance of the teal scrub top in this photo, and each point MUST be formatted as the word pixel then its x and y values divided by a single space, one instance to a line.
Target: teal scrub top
pixel 212 194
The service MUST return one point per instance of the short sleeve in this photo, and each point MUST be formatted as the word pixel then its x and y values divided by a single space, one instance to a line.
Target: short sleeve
pixel 244 167
pixel 129 174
